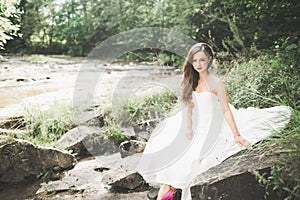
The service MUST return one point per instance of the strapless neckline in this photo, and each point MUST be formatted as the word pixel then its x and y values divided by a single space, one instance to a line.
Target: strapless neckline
pixel 206 92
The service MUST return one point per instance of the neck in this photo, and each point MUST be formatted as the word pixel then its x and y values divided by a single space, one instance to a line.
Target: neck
pixel 203 75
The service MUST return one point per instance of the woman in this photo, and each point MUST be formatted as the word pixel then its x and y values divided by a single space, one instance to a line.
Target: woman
pixel 206 132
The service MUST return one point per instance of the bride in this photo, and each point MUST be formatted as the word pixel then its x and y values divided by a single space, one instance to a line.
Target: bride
pixel 205 132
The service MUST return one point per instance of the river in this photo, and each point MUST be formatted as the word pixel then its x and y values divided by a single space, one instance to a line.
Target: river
pixel 38 81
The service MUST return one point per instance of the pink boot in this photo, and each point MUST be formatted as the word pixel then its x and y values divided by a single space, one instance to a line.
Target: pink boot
pixel 168 196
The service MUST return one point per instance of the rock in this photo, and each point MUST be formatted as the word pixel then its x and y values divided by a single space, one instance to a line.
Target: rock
pixel 22 79
pixel 131 147
pixel 243 186
pixel 143 136
pixel 86 141
pixel 19 190
pixel 152 194
pixel 144 129
pixel 145 126
pixel 84 181
pixel 56 186
pixel 90 118
pixel 122 175
pixel 81 181
pixel 128 132
pixel 21 159
pixel 234 178
pixel 130 196
pixel 129 183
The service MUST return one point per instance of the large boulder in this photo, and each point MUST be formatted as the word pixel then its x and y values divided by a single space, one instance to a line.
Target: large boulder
pixel 85 141
pixel 235 178
pixel 106 177
pixel 21 159
pixel 84 179
pixel 122 175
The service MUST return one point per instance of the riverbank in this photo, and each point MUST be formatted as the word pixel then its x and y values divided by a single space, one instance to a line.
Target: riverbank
pixel 39 80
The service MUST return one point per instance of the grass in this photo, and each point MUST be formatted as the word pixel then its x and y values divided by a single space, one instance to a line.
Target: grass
pixel 46 127
pixel 284 148
pixel 266 81
pixel 155 106
pixel 150 106
pixel 38 58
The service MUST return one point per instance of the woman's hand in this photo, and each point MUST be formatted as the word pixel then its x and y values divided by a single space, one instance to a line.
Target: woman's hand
pixel 242 142
pixel 189 134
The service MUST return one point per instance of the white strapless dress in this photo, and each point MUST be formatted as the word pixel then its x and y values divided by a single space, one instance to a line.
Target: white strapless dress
pixel 171 158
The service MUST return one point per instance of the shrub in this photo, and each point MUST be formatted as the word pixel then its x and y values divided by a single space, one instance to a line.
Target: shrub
pixel 49 125
pixel 266 81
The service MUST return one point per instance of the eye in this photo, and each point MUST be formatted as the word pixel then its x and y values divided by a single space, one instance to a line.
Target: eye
pixel 194 60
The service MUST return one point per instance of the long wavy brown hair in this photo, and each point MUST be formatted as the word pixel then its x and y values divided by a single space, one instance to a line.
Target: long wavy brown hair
pixel 190 75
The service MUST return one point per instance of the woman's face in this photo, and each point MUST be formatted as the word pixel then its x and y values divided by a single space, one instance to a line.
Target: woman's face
pixel 200 61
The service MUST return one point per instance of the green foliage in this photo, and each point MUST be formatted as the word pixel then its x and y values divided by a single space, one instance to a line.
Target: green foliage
pixel 149 108
pixel 115 134
pixel 7 27
pixel 267 81
pixel 38 58
pixel 288 175
pixel 48 126
pixel 157 56
pixel 268 181
pixel 242 27
pixel 264 81
pixel 76 26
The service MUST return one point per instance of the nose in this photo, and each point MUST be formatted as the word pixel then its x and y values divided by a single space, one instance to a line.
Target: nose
pixel 197 63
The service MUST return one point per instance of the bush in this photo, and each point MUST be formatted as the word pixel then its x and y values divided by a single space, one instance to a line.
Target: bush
pixel 266 81
pixel 48 126
pixel 263 82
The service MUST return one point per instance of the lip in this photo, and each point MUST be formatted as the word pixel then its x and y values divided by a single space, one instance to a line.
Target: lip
pixel 199 68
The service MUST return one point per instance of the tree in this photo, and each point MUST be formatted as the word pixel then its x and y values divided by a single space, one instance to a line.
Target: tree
pixel 7 27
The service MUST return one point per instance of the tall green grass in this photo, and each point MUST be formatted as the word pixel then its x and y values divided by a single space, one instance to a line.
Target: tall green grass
pixel 265 81
pixel 47 126
pixel 156 106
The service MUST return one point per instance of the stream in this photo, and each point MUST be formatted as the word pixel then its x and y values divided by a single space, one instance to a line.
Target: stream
pixel 25 82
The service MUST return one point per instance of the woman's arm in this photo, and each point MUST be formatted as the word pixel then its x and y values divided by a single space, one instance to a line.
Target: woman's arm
pixel 229 116
pixel 190 107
